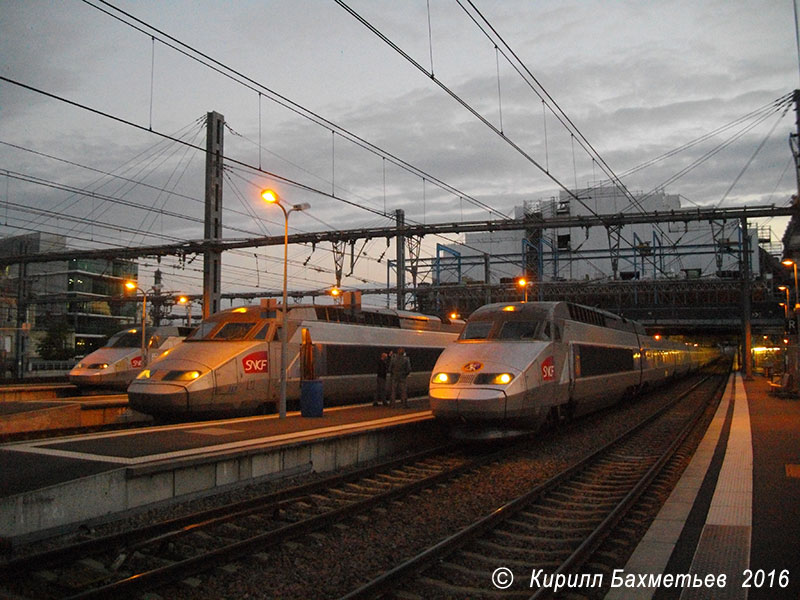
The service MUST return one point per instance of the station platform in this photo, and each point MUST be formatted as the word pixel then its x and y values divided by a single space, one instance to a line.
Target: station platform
pixel 53 485
pixel 735 511
pixel 20 416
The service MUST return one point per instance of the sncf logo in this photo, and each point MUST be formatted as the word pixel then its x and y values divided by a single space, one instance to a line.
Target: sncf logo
pixel 548 369
pixel 257 362
pixel 136 362
pixel 472 367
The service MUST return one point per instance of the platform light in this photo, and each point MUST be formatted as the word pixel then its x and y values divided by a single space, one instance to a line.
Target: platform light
pixel 790 262
pixel 272 197
pixel 131 285
pixel 523 283
pixel 186 301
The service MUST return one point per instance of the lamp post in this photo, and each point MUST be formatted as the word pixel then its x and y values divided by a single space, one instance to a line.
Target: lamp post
pixel 785 289
pixel 523 283
pixel 790 262
pixel 131 285
pixel 272 197
pixel 185 300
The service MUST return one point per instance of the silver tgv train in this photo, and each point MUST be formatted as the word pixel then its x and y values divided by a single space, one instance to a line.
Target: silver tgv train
pixel 120 359
pixel 516 365
pixel 231 363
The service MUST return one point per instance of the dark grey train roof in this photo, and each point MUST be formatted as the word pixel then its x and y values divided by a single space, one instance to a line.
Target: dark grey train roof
pixel 564 310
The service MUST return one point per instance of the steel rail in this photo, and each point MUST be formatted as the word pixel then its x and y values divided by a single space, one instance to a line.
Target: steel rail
pixel 183 568
pixel 429 557
pixel 180 525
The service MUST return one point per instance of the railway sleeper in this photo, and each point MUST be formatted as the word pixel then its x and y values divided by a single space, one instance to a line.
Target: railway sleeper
pixel 566 514
pixel 546 520
pixel 538 540
pixel 594 491
pixel 559 528
pixel 364 487
pixel 602 501
pixel 570 503
pixel 462 591
pixel 531 555
pixel 349 496
pixel 491 560
pixel 601 485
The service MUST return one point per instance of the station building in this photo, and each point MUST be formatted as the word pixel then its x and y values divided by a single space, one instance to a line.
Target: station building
pixel 87 295
pixel 639 251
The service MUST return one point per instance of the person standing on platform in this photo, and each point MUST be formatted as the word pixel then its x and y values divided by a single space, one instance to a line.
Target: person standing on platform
pixel 380 385
pixel 400 368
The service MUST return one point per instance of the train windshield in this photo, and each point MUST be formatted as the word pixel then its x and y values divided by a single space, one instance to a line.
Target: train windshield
pixel 500 327
pixel 130 338
pixel 476 330
pixel 521 330
pixel 228 331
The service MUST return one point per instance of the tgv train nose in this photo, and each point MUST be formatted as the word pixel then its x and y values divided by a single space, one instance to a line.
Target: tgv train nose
pixel 468 403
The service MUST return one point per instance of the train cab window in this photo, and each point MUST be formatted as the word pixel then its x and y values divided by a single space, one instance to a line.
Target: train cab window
pixel 233 330
pixel 476 330
pixel 262 333
pixel 131 338
pixel 201 331
pixel 522 330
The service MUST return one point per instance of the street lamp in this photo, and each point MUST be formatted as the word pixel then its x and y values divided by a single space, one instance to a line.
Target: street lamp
pixel 272 197
pixel 131 285
pixel 785 289
pixel 523 283
pixel 185 300
pixel 790 262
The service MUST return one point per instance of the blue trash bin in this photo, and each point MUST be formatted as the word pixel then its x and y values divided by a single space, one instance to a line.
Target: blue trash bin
pixel 311 398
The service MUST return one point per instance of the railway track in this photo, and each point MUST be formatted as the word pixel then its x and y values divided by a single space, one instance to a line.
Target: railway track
pixel 131 561
pixel 548 539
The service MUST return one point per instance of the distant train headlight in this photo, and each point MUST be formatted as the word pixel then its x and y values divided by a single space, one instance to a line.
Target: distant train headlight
pixel 181 375
pixel 494 378
pixel 445 377
pixel 145 374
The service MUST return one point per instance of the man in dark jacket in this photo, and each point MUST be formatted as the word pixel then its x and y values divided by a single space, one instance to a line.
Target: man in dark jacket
pixel 380 385
pixel 399 368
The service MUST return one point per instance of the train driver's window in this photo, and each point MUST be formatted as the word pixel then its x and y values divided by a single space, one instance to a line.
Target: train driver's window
pixel 234 330
pixel 476 330
pixel 262 333
pixel 521 330
pixel 202 330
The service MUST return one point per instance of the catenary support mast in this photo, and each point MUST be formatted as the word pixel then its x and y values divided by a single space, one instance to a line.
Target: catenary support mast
pixel 212 258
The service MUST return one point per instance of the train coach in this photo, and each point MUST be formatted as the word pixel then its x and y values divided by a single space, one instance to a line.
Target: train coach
pixel 120 359
pixel 516 365
pixel 231 363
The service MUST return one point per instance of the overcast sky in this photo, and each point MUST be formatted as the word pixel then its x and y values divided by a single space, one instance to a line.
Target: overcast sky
pixel 638 79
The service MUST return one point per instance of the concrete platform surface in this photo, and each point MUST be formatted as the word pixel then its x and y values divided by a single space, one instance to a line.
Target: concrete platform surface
pixel 59 483
pixel 733 520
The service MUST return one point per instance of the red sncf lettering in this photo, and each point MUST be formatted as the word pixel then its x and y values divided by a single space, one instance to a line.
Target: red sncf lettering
pixel 256 362
pixel 136 362
pixel 548 369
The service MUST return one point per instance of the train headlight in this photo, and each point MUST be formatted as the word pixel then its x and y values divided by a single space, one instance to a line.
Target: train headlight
pixel 182 375
pixel 99 366
pixel 145 374
pixel 445 377
pixel 494 378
